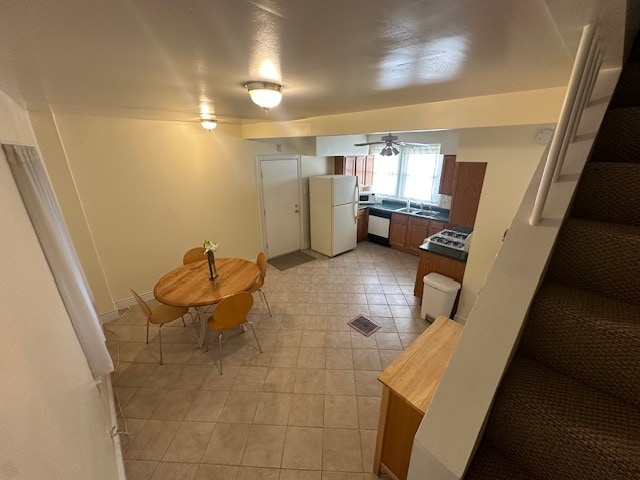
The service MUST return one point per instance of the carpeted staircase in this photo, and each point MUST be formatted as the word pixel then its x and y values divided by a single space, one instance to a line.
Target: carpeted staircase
pixel 569 405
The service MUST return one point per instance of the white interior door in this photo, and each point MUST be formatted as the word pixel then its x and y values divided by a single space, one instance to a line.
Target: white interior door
pixel 281 206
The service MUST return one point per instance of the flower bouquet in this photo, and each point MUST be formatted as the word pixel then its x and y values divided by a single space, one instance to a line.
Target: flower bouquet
pixel 209 249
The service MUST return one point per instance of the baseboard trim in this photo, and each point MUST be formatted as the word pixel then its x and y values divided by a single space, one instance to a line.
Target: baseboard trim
pixel 460 319
pixel 109 316
pixel 125 304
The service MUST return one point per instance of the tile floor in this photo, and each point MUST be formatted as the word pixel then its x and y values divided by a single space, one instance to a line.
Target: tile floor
pixel 304 409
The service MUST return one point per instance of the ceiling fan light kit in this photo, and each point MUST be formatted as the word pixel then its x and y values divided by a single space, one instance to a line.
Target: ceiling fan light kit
pixel 264 94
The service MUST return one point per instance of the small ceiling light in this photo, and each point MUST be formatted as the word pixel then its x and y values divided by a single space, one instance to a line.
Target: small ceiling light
pixel 208 123
pixel 264 94
pixel 389 150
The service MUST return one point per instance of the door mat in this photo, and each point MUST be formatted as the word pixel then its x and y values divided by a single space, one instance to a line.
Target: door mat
pixel 363 325
pixel 290 260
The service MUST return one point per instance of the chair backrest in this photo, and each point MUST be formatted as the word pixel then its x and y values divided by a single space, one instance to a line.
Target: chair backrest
pixel 262 265
pixel 231 311
pixel 193 255
pixel 143 305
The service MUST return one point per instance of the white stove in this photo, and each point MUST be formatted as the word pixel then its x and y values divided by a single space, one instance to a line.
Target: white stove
pixel 451 239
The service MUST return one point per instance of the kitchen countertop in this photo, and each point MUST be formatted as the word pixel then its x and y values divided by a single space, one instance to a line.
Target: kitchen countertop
pixel 445 251
pixel 441 214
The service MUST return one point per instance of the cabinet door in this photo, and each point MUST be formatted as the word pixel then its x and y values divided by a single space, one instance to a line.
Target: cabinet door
pixel 344 165
pixel 360 168
pixel 398 230
pixel 467 187
pixel 447 175
pixel 363 223
pixel 368 171
pixel 417 231
pixel 435 227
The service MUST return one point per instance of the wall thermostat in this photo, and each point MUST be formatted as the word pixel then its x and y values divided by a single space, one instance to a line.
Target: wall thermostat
pixel 544 136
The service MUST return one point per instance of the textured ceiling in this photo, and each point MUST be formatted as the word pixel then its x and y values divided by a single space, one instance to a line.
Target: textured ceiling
pixel 163 59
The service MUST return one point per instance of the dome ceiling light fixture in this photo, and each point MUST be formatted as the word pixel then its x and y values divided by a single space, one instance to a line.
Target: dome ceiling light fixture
pixel 264 94
pixel 208 122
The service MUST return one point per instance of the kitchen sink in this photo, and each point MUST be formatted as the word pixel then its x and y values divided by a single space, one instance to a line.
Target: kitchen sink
pixel 426 213
pixel 417 211
pixel 408 210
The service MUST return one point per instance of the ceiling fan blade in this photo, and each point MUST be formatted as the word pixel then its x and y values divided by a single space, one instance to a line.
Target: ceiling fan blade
pixel 368 143
pixel 416 144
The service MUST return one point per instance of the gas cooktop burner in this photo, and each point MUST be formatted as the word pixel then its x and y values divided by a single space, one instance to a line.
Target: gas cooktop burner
pixel 447 241
pixel 451 239
pixel 452 234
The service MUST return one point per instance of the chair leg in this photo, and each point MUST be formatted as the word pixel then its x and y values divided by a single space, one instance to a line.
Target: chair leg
pixel 147 332
pixel 160 337
pixel 220 351
pixel 255 336
pixel 264 297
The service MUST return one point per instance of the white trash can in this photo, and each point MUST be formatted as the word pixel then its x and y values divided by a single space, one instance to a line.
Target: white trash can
pixel 438 296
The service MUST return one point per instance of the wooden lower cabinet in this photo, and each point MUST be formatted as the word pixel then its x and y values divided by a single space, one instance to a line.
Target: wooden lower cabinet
pixel 401 425
pixel 417 231
pixel 432 262
pixel 408 386
pixel 363 223
pixel 407 232
pixel 398 230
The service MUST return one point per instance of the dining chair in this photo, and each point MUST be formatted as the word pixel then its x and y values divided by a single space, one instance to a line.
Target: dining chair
pixel 257 287
pixel 159 316
pixel 231 312
pixel 193 255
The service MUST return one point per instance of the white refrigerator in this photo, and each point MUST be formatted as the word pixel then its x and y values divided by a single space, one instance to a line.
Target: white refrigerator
pixel 333 212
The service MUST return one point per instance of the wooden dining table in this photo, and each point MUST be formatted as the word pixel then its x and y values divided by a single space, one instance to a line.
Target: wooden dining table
pixel 189 285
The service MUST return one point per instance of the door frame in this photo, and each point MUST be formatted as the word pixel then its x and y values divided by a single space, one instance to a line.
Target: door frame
pixel 301 204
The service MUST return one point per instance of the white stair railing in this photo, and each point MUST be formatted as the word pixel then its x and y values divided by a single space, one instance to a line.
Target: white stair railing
pixel 581 82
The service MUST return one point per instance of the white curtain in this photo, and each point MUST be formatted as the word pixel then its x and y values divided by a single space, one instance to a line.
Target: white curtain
pixel 41 204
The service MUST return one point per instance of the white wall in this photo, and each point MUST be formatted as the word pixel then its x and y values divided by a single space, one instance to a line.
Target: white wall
pixel 53 423
pixel 338 145
pixel 512 156
pixel 151 190
pixel 63 183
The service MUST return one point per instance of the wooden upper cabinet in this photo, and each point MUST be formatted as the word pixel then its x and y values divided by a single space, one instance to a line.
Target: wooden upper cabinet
pixel 467 186
pixel 360 166
pixel 447 175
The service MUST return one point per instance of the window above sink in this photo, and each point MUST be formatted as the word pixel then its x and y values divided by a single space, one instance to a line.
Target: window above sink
pixel 414 173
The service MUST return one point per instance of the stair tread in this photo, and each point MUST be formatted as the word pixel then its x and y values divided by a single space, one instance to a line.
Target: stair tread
pixel 594 339
pixel 556 427
pixel 608 191
pixel 600 257
pixel 489 464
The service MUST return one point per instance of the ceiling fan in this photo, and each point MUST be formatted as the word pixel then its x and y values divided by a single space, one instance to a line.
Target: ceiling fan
pixel 390 142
